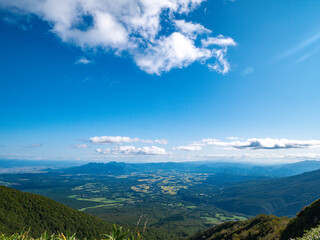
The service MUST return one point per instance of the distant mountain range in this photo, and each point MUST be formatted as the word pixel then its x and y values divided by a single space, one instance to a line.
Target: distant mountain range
pixel 243 169
pixel 120 168
pixel 281 196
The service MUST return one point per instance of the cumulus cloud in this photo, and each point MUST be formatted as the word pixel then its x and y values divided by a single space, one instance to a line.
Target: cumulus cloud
pixel 174 51
pixel 261 143
pixel 80 146
pixel 132 150
pixel 145 29
pixel 188 148
pixel 83 60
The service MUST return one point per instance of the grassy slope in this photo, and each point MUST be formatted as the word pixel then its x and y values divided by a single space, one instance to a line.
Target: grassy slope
pixel 305 220
pixel 20 210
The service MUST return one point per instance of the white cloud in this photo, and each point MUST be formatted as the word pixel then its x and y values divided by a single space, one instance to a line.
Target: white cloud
pixel 221 65
pixel 261 143
pixel 188 148
pixel 132 26
pixel 83 60
pixel 161 141
pixel 113 139
pixel 132 150
pixel 80 146
pixel 190 29
pixel 121 140
pixel 174 51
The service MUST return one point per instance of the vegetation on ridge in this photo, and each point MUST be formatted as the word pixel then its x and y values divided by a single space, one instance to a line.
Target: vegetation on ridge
pixel 306 219
pixel 263 227
pixel 116 234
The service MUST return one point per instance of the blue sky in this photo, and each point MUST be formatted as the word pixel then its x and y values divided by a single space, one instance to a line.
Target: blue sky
pixel 61 86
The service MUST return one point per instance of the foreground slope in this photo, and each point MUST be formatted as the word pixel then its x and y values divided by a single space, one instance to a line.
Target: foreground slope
pixel 266 227
pixel 20 210
pixel 262 227
pixel 305 220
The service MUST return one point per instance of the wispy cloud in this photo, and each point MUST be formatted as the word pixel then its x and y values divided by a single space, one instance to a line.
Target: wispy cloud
pixel 188 148
pixel 307 55
pixel 80 146
pixel 247 71
pixel 35 145
pixel 83 60
pixel 18 18
pixel 161 141
pixel 300 47
pixel 132 150
pixel 134 27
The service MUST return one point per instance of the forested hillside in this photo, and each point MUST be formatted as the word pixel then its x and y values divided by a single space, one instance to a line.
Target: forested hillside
pixel 281 197
pixel 19 210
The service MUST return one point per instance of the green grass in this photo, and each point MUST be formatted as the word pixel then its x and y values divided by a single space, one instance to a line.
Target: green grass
pixel 191 207
pixel 118 202
pixel 115 234
pixel 212 220
pixel 313 234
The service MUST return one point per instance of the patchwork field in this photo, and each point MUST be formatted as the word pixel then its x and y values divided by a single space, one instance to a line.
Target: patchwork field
pixel 153 198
